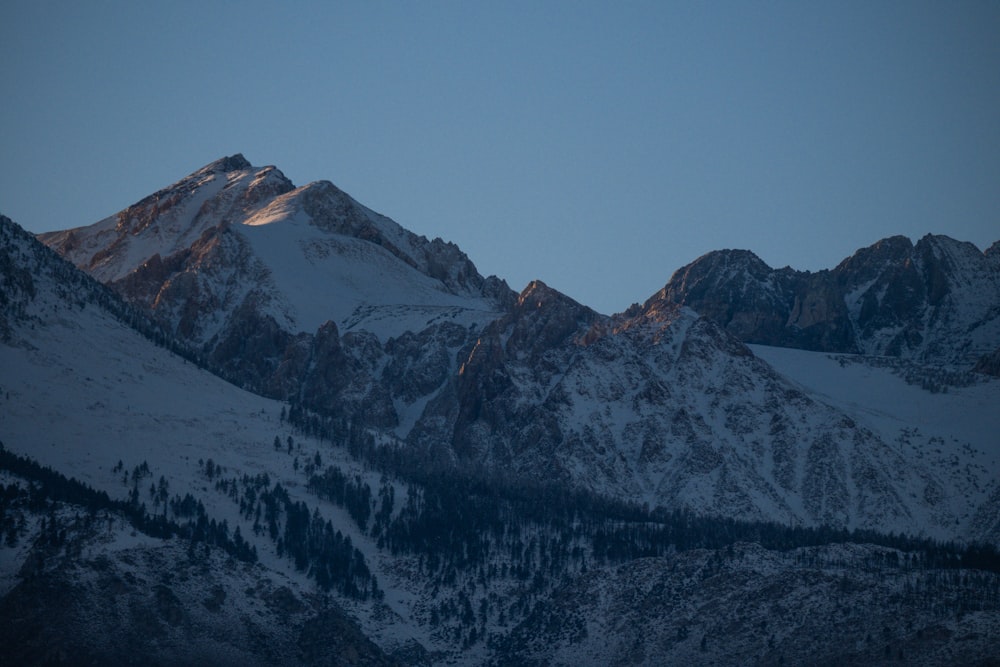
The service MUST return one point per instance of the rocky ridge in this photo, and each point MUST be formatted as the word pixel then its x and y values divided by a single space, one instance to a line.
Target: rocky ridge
pixel 936 301
pixel 660 405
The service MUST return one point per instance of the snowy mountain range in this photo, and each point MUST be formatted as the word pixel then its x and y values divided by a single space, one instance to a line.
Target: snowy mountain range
pixel 342 327
pixel 303 294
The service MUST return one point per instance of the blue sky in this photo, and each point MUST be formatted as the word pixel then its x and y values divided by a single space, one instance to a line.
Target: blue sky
pixel 595 146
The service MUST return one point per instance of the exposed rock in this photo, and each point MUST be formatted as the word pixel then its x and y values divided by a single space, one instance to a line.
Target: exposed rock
pixel 935 301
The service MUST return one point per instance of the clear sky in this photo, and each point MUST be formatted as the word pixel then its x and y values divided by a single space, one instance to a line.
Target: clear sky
pixel 595 146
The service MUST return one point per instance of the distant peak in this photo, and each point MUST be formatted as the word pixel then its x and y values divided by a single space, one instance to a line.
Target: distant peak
pixel 722 264
pixel 538 291
pixel 538 295
pixel 738 257
pixel 535 285
pixel 322 187
pixel 945 241
pixel 226 164
pixel 893 246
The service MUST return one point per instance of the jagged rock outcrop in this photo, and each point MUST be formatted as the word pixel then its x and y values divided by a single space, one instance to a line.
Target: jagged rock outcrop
pixel 663 406
pixel 937 301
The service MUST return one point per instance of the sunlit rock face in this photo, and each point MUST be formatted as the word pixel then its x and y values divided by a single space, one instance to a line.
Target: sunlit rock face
pixel 934 301
pixel 296 293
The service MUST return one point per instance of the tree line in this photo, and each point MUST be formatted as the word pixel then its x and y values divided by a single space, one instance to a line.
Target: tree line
pixel 48 486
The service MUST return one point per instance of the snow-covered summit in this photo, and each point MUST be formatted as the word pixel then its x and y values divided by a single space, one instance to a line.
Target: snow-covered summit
pixel 296 292
pixel 170 220
pixel 232 236
pixel 332 210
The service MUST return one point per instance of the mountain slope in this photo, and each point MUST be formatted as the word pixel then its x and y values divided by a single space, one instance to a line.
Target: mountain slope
pixel 85 394
pixel 946 422
pixel 93 591
pixel 816 606
pixel 661 406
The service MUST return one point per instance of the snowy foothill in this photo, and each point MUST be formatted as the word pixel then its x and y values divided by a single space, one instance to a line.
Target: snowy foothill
pixel 83 392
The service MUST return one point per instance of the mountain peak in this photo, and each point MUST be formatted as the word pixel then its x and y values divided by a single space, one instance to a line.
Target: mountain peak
pixel 226 164
pixel 715 268
pixel 942 245
pixel 734 258
pixel 539 296
pixel 178 251
pixel 538 292
pixel 717 281
pixel 932 300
